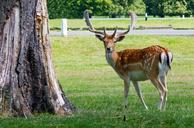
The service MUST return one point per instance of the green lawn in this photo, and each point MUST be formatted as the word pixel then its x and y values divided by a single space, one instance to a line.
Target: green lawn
pixel 79 23
pixel 97 91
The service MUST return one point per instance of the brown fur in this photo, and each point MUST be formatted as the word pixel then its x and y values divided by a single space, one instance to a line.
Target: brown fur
pixel 139 57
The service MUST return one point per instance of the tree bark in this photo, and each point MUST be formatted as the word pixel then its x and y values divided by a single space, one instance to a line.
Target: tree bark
pixel 28 84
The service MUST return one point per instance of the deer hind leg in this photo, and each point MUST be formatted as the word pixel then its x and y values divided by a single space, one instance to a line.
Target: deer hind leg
pixel 162 92
pixel 164 66
pixel 163 81
pixel 137 89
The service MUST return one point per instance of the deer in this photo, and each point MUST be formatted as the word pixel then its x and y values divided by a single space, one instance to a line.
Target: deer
pixel 136 65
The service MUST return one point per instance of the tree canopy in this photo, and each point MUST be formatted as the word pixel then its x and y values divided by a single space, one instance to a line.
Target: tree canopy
pixel 116 8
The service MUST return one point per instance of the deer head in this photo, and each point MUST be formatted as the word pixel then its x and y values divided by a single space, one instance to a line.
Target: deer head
pixel 109 39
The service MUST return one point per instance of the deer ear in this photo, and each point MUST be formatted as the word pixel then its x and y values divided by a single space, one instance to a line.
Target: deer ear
pixel 100 37
pixel 120 38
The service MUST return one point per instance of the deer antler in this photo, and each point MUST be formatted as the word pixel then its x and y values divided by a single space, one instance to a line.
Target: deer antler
pixel 132 26
pixel 90 27
pixel 114 33
pixel 133 20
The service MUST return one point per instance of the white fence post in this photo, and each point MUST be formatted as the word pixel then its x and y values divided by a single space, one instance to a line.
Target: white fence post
pixel 64 27
pixel 146 16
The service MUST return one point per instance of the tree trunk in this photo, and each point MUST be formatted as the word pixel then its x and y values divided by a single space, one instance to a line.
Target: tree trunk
pixel 28 84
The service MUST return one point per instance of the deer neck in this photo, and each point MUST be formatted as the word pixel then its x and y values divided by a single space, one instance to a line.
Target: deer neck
pixel 111 58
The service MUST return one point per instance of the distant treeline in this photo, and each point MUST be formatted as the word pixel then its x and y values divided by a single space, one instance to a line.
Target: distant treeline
pixel 117 8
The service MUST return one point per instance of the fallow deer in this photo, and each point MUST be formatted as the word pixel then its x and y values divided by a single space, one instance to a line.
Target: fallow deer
pixel 151 63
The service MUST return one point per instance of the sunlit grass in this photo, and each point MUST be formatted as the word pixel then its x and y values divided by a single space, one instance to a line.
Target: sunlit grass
pixel 95 88
pixel 79 23
pixel 97 91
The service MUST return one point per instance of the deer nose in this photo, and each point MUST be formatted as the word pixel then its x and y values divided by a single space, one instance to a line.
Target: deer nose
pixel 108 49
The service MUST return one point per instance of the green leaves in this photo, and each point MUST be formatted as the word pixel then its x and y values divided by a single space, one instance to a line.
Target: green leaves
pixel 169 7
pixel 75 8
pixel 117 8
pixel 56 8
pixel 175 7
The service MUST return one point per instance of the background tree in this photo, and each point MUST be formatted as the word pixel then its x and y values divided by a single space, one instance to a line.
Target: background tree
pixel 190 6
pixel 176 7
pixel 57 8
pixel 169 7
pixel 116 8
pixel 75 8
pixel 155 7
pixel 137 6
pixel 123 7
pixel 28 83
pixel 112 8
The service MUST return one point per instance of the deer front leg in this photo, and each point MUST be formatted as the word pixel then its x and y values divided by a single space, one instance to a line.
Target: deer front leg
pixel 126 91
pixel 137 88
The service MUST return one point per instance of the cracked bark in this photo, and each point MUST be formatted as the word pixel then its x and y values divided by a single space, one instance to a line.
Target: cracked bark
pixel 28 83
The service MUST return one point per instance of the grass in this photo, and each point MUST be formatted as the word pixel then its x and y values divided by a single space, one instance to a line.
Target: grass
pixel 97 91
pixel 79 23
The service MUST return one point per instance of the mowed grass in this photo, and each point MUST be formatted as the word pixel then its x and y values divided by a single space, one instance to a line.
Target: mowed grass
pixel 97 92
pixel 177 23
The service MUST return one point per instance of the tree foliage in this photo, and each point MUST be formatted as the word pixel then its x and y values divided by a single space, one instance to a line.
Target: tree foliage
pixel 175 7
pixel 57 8
pixel 169 7
pixel 190 6
pixel 115 8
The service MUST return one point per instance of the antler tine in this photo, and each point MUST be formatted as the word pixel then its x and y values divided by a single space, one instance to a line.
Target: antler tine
pixel 115 31
pixel 132 25
pixel 133 20
pixel 105 31
pixel 88 23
